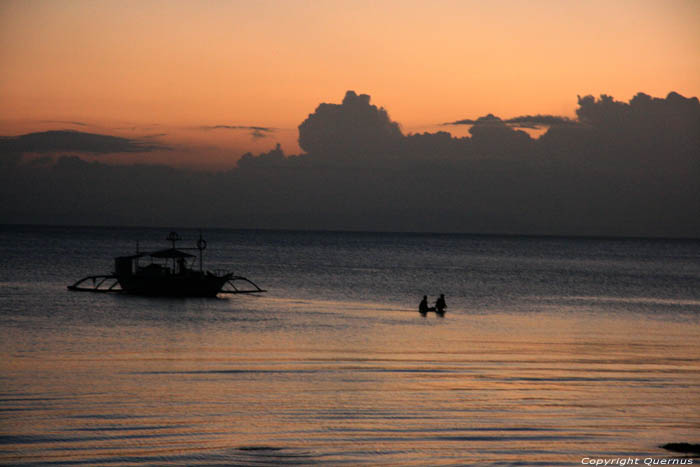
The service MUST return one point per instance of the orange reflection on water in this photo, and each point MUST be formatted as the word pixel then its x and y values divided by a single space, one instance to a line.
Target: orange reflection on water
pixel 335 381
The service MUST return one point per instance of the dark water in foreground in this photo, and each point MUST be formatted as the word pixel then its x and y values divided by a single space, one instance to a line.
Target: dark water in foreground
pixel 552 350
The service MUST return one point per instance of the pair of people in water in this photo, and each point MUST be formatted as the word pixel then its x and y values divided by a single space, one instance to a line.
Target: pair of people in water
pixel 439 307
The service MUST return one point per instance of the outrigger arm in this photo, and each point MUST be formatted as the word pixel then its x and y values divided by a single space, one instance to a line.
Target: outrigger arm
pixel 97 284
pixel 236 290
pixel 105 283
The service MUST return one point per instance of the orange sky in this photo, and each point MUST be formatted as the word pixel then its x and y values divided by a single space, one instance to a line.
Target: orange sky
pixel 164 69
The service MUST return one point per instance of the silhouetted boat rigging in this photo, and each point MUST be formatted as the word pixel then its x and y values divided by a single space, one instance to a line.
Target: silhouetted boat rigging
pixel 167 274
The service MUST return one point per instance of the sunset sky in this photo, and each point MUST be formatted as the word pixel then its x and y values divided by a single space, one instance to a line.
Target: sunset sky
pixel 170 71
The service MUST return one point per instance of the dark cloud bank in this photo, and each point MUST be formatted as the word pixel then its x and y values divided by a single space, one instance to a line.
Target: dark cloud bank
pixel 72 141
pixel 621 168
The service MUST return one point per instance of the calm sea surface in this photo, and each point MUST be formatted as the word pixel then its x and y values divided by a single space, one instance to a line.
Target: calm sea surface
pixel 552 350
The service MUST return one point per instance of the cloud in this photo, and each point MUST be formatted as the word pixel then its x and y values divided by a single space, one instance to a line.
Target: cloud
pixel 642 112
pixel 140 128
pixel 353 130
pixel 524 121
pixel 237 127
pixel 66 122
pixel 493 136
pixel 466 121
pixel 273 159
pixel 623 168
pixel 70 141
pixel 256 132
pixel 538 121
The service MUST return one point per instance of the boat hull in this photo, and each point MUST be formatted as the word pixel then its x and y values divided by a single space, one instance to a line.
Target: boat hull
pixel 174 286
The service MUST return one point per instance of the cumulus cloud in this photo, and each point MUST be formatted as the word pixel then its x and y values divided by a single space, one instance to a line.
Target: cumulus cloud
pixel 273 159
pixel 621 168
pixel 353 130
pixel 642 112
pixel 660 134
pixel 492 136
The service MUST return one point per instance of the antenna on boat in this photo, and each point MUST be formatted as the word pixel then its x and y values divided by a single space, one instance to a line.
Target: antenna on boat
pixel 201 246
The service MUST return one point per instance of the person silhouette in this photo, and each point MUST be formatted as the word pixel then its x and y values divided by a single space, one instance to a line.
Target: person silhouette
pixel 423 305
pixel 440 305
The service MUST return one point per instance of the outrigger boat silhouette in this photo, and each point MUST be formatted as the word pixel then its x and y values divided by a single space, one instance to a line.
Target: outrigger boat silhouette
pixel 167 274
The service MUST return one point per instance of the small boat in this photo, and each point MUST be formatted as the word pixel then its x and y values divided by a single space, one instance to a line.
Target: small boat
pixel 167 272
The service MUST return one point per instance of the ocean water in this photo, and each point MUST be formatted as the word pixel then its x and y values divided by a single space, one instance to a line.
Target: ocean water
pixel 552 350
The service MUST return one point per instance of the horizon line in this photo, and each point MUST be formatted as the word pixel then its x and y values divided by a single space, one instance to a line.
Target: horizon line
pixel 363 231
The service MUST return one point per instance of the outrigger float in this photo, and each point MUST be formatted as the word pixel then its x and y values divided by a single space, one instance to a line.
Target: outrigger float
pixel 168 273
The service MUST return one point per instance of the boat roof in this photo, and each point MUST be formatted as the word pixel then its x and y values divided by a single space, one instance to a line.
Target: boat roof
pixel 170 253
pixel 138 255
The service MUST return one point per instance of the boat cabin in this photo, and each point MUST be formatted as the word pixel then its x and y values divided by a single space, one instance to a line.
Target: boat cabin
pixel 163 262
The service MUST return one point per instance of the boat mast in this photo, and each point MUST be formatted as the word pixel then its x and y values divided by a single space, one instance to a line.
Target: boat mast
pixel 201 246
pixel 173 237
